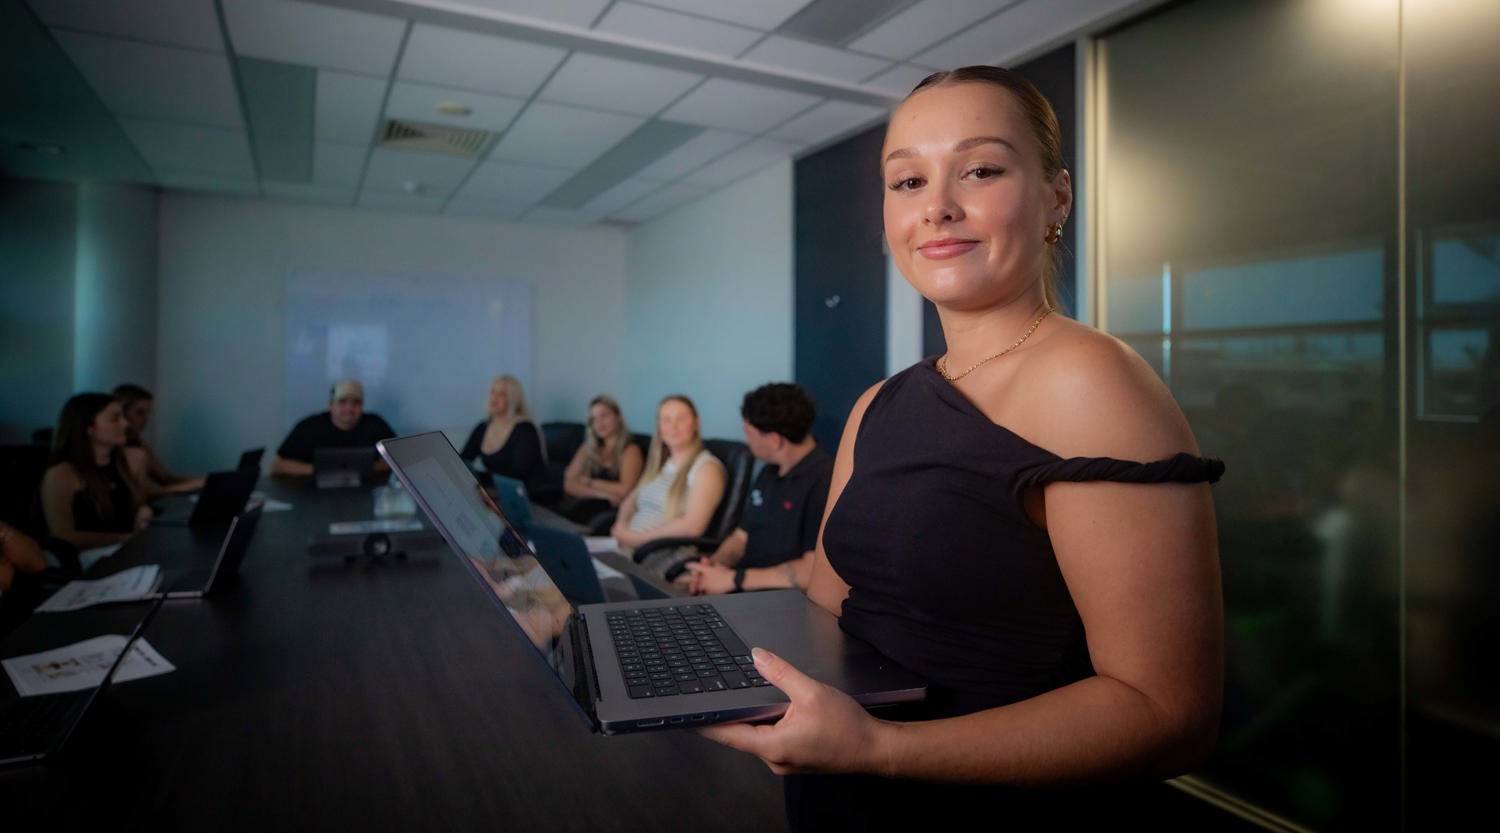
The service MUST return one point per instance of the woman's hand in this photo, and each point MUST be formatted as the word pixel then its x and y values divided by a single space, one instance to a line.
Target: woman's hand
pixel 704 577
pixel 143 517
pixel 823 730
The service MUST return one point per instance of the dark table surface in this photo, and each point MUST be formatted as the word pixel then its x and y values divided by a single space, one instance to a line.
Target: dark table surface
pixel 366 694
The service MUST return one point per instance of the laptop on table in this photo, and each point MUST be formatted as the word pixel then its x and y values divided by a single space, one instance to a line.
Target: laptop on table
pixel 204 581
pixel 250 460
pixel 224 495
pixel 611 658
pixel 34 730
pixel 336 468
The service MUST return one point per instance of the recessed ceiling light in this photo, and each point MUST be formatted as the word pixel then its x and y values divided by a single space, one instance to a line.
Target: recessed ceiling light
pixel 46 150
pixel 454 108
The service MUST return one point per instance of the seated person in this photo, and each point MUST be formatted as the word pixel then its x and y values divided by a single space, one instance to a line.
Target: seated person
pixel 160 480
pixel 344 425
pixel 507 442
pixel 20 558
pixel 680 488
pixel 605 468
pixel 772 547
pixel 93 493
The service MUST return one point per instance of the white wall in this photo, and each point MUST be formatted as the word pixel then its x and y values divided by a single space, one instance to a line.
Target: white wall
pixel 115 297
pixel 709 309
pixel 223 266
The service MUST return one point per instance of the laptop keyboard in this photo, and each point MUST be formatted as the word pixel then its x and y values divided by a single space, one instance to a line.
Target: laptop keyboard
pixel 684 649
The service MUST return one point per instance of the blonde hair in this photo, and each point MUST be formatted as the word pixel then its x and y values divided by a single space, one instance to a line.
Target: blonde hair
pixel 515 398
pixel 595 454
pixel 657 458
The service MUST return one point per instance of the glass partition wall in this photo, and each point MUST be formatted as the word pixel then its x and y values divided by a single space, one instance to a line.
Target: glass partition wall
pixel 1298 223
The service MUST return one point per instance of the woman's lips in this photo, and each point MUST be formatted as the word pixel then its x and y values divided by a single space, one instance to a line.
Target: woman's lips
pixel 946 248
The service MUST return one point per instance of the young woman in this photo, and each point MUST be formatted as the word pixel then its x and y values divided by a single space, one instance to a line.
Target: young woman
pixel 681 486
pixel 605 468
pixel 138 404
pixel 1024 521
pixel 507 442
pixel 93 493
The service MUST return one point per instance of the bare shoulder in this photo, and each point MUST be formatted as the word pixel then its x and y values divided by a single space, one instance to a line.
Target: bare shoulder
pixel 61 476
pixel 1091 395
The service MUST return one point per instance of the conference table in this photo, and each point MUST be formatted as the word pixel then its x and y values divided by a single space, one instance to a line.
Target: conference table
pixel 353 693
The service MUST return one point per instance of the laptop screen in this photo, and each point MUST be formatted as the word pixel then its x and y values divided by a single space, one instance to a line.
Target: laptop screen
pixel 479 534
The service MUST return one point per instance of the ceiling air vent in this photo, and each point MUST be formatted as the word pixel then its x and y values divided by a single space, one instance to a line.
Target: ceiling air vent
pixel 400 134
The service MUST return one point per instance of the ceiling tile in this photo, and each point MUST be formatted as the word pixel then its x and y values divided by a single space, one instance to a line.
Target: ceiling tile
pixel 789 53
pixel 828 120
pixel 550 134
pixel 708 145
pixel 762 14
pixel 347 107
pixel 1018 30
pixel 313 35
pixel 899 80
pixel 734 105
pixel 156 82
pixel 580 13
pixel 519 185
pixel 919 27
pixel 418 102
pixel 435 175
pixel 743 161
pixel 561 217
pixel 190 148
pixel 624 194
pixel 660 202
pixel 189 23
pixel 338 165
pixel 677 30
pixel 618 86
pixel 469 61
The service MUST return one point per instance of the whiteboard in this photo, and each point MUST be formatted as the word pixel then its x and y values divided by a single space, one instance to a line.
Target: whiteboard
pixel 426 348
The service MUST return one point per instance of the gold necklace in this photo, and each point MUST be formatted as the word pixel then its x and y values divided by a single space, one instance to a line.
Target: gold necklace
pixel 942 363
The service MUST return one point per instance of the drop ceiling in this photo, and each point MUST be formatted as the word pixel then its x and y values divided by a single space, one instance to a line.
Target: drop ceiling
pixel 571 112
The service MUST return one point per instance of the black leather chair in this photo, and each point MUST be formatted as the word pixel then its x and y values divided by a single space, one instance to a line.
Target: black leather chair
pixel 739 469
pixel 560 440
pixel 21 470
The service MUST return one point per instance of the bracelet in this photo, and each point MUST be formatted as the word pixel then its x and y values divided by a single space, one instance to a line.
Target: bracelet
pixel 739 580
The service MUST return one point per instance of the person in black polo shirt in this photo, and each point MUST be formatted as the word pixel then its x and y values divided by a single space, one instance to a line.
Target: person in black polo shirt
pixel 772 547
pixel 344 425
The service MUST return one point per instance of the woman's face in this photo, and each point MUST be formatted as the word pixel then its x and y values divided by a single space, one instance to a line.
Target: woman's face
pixel 108 427
pixel 967 207
pixel 499 399
pixel 137 415
pixel 604 421
pixel 677 424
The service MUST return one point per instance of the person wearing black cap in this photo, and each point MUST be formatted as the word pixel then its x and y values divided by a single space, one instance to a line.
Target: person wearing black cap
pixel 344 425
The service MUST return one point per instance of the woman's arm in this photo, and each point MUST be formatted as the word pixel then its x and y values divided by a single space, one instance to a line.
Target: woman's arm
pixel 59 485
pixel 705 488
pixel 824 586
pixel 575 484
pixel 21 551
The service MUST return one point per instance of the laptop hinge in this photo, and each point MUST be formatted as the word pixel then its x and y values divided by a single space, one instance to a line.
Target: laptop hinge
pixel 585 686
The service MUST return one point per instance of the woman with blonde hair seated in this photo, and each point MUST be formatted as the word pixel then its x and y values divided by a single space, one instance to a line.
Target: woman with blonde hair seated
pixel 681 486
pixel 94 494
pixel 605 468
pixel 507 442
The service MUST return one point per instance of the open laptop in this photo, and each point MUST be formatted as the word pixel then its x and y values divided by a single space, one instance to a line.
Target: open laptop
pixel 33 730
pixel 224 495
pixel 597 652
pixel 337 468
pixel 203 581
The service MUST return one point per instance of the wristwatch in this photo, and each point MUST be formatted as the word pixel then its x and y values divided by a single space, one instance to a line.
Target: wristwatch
pixel 739 580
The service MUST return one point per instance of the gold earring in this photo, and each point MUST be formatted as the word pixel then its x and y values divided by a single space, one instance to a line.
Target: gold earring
pixel 1054 234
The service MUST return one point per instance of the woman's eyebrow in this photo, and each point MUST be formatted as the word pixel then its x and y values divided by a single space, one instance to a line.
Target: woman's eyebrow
pixel 966 144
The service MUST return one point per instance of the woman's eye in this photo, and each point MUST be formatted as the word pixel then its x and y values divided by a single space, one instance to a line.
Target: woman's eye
pixel 985 173
pixel 906 184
